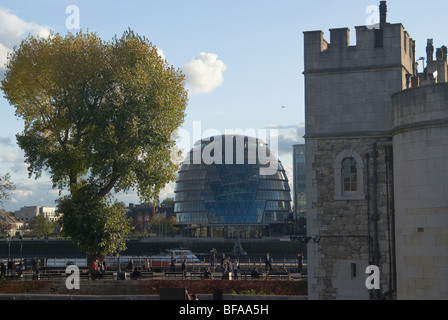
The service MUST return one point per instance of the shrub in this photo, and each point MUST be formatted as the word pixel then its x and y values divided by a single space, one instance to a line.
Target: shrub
pixel 252 287
pixel 16 287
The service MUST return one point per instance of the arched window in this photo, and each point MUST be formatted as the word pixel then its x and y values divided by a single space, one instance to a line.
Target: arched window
pixel 349 176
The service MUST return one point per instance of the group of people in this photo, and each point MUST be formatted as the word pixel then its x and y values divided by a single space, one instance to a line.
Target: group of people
pixel 173 264
pixel 10 268
pixel 98 268
pixel 13 269
pixel 268 260
pixel 229 267
pixel 234 267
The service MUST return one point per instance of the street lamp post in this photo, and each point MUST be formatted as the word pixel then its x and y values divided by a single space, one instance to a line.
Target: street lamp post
pixel 46 245
pixel 119 242
pixel 21 246
pixel 9 246
pixel 8 238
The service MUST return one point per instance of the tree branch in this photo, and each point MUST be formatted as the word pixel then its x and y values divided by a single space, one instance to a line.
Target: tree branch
pixel 105 190
pixel 108 187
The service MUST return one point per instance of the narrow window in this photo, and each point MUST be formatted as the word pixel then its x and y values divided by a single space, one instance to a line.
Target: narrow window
pixel 349 175
pixel 353 270
pixel 378 38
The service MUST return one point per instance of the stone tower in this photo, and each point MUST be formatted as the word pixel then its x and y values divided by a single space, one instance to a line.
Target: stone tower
pixel 351 131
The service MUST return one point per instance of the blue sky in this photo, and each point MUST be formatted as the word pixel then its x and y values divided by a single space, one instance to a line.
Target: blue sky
pixel 243 60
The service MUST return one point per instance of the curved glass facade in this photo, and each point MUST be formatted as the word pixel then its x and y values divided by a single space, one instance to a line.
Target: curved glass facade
pixel 232 191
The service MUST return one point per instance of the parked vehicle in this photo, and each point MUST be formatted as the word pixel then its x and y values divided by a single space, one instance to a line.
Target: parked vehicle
pixel 159 260
pixel 164 259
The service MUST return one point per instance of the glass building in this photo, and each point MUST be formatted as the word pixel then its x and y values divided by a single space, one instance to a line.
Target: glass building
pixel 230 186
pixel 299 188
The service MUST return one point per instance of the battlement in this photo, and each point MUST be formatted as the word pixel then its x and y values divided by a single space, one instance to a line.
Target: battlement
pixel 387 46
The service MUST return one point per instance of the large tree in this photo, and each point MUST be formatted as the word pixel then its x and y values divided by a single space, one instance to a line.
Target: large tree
pixel 98 117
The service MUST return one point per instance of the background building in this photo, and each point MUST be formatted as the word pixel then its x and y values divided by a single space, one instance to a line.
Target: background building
pixel 299 179
pixel 10 224
pixel 26 214
pixel 229 197
pixel 376 154
pixel 297 219
pixel 151 220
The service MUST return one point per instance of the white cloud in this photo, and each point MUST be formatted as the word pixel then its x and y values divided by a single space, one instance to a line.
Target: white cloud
pixel 161 53
pixel 6 141
pixel 288 136
pixel 20 193
pixel 13 30
pixel 132 196
pixel 33 193
pixel 289 171
pixel 3 56
pixel 204 73
pixel 10 157
pixel 168 191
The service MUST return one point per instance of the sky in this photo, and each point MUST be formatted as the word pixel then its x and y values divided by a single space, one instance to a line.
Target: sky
pixel 243 62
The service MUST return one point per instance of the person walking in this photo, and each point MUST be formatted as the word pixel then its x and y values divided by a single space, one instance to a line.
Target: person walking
pixel 300 263
pixel 225 269
pixel 268 262
pixel 184 267
pixel 94 265
pixel 130 265
pixel 20 270
pixel 213 253
pixel 36 265
pixel 9 267
pixel 235 268
pixel 2 270
pixel 101 267
pixel 229 268
pixel 95 269
pixel 223 260
pixel 173 263
pixel 147 265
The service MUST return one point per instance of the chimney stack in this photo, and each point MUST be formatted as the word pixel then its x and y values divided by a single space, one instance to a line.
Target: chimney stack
pixel 429 51
pixel 383 11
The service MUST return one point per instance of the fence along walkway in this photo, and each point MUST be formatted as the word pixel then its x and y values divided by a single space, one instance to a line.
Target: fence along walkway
pixel 283 269
pixel 250 263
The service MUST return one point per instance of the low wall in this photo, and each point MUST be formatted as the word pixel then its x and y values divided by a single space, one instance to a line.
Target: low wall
pixel 97 287
pixel 66 248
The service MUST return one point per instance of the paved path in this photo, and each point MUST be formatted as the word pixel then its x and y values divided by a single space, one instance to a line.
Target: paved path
pixel 206 297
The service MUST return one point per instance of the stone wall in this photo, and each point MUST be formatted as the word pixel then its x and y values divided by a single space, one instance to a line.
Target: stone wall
pixel 348 88
pixel 346 240
pixel 421 191
pixel 355 107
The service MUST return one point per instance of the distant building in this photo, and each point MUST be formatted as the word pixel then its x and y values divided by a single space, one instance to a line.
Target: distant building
pixel 10 224
pixel 376 164
pixel 232 196
pixel 141 214
pixel 299 179
pixel 26 214
pixel 49 213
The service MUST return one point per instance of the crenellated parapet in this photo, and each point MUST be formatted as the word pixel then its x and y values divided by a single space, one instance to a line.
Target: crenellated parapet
pixel 385 46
